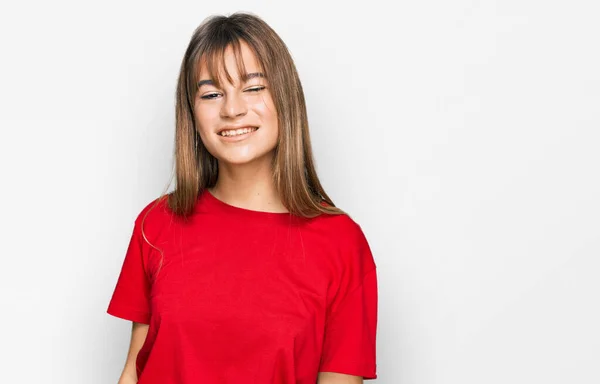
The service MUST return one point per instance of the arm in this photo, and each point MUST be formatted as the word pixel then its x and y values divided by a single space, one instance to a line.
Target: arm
pixel 138 336
pixel 338 378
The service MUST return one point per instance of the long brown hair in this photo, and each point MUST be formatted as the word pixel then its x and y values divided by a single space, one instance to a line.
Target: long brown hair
pixel 294 173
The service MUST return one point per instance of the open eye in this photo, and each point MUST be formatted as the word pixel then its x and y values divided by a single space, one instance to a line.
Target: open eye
pixel 209 96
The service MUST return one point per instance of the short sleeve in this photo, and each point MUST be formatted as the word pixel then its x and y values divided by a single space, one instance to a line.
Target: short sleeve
pixel 130 298
pixel 349 344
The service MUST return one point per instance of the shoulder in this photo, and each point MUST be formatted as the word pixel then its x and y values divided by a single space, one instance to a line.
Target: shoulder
pixel 154 213
pixel 341 226
pixel 349 240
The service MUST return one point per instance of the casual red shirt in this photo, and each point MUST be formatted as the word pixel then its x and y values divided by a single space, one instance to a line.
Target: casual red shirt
pixel 246 296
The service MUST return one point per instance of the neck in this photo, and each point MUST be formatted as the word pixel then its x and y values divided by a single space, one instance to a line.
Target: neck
pixel 248 186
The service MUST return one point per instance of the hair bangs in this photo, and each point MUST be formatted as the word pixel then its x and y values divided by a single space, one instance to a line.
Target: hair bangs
pixel 212 61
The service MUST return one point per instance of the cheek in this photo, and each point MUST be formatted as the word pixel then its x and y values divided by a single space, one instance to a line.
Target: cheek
pixel 266 110
pixel 205 121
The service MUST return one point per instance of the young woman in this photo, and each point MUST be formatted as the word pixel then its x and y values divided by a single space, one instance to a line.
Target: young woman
pixel 246 272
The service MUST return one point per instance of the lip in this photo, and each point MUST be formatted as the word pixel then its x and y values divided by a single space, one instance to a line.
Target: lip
pixel 237 137
pixel 234 127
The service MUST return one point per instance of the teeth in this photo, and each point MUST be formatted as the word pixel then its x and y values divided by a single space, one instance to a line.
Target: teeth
pixel 235 132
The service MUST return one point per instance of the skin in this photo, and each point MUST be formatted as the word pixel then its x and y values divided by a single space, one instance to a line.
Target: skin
pixel 244 167
pixel 338 378
pixel 245 177
pixel 138 336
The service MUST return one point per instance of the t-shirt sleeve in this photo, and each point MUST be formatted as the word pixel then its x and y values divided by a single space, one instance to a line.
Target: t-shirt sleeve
pixel 349 345
pixel 130 299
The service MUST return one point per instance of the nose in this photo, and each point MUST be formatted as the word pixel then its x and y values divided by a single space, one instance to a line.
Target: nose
pixel 234 105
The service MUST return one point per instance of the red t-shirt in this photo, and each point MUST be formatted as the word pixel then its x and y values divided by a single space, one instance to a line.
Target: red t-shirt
pixel 245 296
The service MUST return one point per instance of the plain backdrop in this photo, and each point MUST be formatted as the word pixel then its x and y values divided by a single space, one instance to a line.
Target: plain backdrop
pixel 463 136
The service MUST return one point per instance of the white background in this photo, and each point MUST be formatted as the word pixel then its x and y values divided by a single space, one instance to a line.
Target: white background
pixel 462 135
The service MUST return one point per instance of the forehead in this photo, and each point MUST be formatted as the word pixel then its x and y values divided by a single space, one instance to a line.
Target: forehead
pixel 220 63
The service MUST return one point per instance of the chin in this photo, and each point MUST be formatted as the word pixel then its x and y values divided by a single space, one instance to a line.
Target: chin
pixel 250 158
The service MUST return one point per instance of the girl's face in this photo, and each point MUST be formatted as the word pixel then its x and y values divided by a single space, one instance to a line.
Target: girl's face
pixel 227 119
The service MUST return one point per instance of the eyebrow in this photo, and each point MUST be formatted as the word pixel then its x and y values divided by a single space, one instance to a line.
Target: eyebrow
pixel 245 78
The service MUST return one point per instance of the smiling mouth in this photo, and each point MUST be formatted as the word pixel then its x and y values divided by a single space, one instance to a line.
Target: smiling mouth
pixel 236 132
